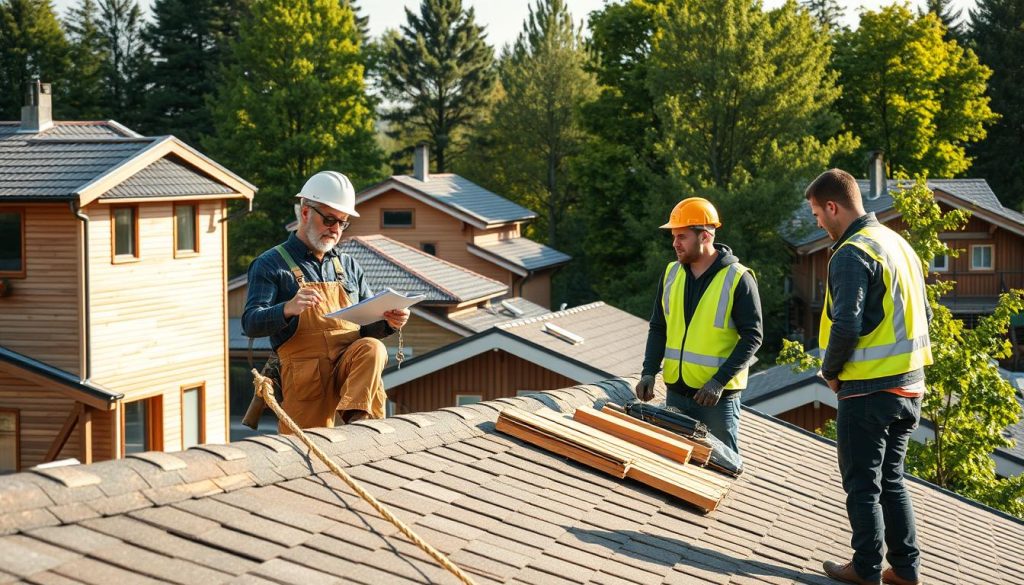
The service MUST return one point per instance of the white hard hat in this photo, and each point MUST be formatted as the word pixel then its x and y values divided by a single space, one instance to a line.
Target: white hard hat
pixel 332 189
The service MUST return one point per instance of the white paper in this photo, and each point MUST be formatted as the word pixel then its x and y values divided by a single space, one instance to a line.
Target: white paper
pixel 372 309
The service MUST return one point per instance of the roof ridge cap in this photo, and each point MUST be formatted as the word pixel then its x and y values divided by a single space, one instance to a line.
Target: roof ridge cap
pixel 548 316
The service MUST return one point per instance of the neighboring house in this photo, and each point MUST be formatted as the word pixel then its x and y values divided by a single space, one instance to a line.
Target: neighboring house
pixel 573 346
pixel 263 511
pixel 113 310
pixel 452 218
pixel 991 263
pixel 803 399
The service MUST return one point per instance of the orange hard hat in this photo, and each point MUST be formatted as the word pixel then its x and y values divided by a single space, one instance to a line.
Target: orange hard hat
pixel 693 211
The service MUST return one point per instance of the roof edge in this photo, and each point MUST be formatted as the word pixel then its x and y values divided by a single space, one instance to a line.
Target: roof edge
pixel 94 394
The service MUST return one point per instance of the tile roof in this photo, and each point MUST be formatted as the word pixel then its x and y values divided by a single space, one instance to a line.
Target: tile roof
pixel 167 177
pixel 613 340
pixel 468 197
pixel 389 263
pixel 803 229
pixel 65 129
pixel 523 252
pixel 484 318
pixel 260 511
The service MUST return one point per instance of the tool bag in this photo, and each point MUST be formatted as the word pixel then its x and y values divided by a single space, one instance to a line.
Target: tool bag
pixel 722 458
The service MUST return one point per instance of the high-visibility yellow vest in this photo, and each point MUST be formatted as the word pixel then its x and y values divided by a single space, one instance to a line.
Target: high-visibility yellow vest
pixel 698 355
pixel 900 343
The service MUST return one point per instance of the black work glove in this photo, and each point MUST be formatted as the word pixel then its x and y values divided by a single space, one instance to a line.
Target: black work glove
pixel 709 394
pixel 645 388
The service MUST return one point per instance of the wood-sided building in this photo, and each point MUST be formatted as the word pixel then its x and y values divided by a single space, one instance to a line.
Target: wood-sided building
pixel 113 307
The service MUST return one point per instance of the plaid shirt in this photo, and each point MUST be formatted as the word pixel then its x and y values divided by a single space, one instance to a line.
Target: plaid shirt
pixel 272 284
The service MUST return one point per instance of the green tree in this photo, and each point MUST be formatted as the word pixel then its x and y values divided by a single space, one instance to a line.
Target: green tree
pixel 948 15
pixel 86 90
pixel 967 402
pixel 292 102
pixel 32 45
pixel 120 25
pixel 997 35
pixel 828 13
pixel 911 93
pixel 189 40
pixel 439 72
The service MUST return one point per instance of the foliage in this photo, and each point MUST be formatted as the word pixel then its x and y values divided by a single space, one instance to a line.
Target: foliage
pixel 32 45
pixel 828 13
pixel 291 103
pixel 85 87
pixel 120 26
pixel 997 36
pixel 948 14
pixel 440 74
pixel 911 93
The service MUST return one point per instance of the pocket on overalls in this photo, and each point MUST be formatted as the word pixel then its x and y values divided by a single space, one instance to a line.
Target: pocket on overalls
pixel 303 380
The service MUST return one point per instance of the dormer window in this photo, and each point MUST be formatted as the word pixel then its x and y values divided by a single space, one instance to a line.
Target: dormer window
pixel 12 243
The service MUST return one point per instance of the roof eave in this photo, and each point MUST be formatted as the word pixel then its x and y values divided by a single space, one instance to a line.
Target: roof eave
pixel 84 391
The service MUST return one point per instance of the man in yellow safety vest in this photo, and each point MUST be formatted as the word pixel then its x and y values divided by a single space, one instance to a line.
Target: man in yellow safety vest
pixel 874 331
pixel 706 324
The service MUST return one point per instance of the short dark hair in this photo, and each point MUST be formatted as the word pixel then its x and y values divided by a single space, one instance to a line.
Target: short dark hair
pixel 835 185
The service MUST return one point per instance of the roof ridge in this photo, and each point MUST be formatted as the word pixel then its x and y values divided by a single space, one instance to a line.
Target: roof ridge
pixel 548 316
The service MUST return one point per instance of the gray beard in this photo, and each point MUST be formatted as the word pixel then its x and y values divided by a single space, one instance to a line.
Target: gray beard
pixel 315 241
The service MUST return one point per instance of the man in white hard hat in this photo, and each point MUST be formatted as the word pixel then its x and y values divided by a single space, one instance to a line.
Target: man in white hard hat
pixel 330 368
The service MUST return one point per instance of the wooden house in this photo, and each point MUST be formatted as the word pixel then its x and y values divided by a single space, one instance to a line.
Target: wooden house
pixel 113 308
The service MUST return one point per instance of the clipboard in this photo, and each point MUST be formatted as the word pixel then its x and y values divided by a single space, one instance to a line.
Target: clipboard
pixel 372 309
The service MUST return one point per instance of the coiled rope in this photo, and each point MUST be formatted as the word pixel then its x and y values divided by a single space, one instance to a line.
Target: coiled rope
pixel 265 390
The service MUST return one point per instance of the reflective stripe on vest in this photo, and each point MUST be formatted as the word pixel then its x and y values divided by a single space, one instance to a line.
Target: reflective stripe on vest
pixel 715 333
pixel 900 343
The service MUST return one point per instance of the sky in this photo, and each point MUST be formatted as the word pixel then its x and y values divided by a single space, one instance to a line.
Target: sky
pixel 503 19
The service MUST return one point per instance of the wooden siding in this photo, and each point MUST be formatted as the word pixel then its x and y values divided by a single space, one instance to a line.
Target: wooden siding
pixel 40 317
pixel 159 323
pixel 492 374
pixel 537 288
pixel 811 416
pixel 422 336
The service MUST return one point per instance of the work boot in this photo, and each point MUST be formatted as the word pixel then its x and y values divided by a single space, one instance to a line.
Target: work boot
pixel 889 577
pixel 846 573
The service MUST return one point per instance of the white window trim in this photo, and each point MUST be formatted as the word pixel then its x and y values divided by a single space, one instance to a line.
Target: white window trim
pixel 944 268
pixel 992 257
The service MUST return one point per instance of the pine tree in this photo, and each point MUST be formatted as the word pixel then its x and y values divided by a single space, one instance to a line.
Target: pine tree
pixel 121 27
pixel 86 92
pixel 829 13
pixel 440 73
pixel 32 45
pixel 290 103
pixel 948 14
pixel 997 35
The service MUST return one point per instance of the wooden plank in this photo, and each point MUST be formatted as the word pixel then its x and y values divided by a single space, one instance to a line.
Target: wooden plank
pixel 669 447
pixel 677 489
pixel 560 446
pixel 701 451
pixel 65 431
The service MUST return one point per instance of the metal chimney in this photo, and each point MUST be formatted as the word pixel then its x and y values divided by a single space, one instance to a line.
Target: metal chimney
pixel 876 176
pixel 421 162
pixel 37 113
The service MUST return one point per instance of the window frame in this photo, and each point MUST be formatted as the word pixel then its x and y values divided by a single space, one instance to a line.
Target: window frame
pixel 24 250
pixel 179 253
pixel 479 397
pixel 945 267
pixel 154 423
pixel 201 388
pixel 992 258
pixel 17 436
pixel 412 219
pixel 116 258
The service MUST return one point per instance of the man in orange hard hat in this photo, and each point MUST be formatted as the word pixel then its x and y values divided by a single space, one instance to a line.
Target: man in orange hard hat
pixel 706 324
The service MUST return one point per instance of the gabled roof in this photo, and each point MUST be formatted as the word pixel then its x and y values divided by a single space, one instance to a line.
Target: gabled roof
pixel 486 317
pixel 86 161
pixel 261 511
pixel 456 196
pixel 388 263
pixel 520 255
pixel 971 194
pixel 80 390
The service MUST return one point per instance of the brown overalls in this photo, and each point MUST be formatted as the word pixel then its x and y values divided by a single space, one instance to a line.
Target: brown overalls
pixel 326 367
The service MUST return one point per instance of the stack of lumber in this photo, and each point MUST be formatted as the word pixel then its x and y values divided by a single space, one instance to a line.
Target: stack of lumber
pixel 623 447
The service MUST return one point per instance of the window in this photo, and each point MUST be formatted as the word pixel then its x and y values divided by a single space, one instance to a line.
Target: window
pixel 142 425
pixel 12 243
pixel 396 218
pixel 186 230
pixel 193 415
pixel 464 399
pixel 429 248
pixel 981 257
pixel 124 230
pixel 10 449
pixel 939 263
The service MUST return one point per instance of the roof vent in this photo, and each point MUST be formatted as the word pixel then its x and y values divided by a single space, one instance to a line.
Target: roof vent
pixel 37 113
pixel 514 310
pixel 562 334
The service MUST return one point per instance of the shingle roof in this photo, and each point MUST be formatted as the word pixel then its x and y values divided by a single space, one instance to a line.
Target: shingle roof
pixel 389 263
pixel 484 318
pixel 260 511
pixel 167 177
pixel 613 340
pixel 468 197
pixel 802 228
pixel 524 252
pixel 64 129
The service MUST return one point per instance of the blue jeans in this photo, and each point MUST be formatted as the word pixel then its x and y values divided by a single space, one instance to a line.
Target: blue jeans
pixel 873 431
pixel 722 419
